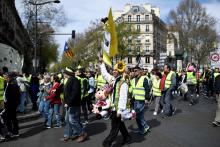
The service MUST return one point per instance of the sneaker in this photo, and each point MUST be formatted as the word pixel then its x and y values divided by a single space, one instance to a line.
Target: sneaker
pixel 146 130
pixel 173 111
pixel 64 139
pixel 48 127
pixel 215 124
pixel 82 137
pixel 155 113
pixel 161 111
pixel 15 135
pixel 57 126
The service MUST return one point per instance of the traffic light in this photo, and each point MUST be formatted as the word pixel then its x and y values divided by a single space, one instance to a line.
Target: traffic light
pixel 73 34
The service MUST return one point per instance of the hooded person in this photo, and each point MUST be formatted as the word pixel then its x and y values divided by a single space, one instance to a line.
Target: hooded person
pixel 119 96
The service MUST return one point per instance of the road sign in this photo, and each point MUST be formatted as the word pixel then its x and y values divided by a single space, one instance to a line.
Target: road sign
pixel 215 58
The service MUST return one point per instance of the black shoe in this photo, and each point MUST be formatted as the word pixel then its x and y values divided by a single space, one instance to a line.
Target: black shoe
pixel 127 140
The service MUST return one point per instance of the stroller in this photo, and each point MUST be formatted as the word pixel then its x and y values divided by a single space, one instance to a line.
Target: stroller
pixel 4 134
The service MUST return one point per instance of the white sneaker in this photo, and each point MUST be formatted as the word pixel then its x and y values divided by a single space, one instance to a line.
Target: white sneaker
pixel 161 111
pixel 155 113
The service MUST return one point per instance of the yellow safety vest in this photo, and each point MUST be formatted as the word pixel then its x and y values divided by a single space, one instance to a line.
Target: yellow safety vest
pixel 117 91
pixel 138 90
pixel 1 88
pixel 100 81
pixel 156 88
pixel 168 79
pixel 82 87
pixel 191 79
pixel 216 74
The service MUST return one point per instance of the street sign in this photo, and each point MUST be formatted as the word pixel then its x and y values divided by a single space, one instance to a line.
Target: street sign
pixel 215 58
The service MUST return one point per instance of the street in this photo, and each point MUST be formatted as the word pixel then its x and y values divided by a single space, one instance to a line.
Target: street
pixel 189 127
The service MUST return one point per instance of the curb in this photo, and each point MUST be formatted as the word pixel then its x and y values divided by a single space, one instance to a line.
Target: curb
pixel 27 117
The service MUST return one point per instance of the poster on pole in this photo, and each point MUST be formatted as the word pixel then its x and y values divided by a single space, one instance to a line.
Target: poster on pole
pixel 215 58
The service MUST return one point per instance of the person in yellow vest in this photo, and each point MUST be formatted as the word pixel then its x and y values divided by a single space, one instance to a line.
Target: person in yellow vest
pixel 157 92
pixel 80 75
pixel 119 98
pixel 140 90
pixel 167 85
pixel 191 82
pixel 1 91
pixel 216 72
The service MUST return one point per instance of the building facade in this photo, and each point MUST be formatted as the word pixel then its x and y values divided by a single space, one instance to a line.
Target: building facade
pixel 152 33
pixel 13 36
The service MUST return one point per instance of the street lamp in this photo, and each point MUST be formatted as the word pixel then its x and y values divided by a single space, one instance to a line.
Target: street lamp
pixel 35 47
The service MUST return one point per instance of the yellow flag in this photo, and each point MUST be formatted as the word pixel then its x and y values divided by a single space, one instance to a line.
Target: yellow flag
pixel 106 58
pixel 114 40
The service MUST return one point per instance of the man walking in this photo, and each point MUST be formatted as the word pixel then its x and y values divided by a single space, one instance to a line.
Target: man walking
pixel 140 90
pixel 168 83
pixel 118 103
pixel 72 99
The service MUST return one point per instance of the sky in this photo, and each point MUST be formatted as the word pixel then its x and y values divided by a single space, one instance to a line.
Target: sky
pixel 81 12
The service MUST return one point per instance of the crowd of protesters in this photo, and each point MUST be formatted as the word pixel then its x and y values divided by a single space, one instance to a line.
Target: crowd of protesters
pixel 62 96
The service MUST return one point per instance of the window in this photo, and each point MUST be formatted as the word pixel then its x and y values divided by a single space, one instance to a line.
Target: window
pixel 138 28
pixel 147 59
pixel 129 59
pixel 129 40
pixel 147 49
pixel 129 49
pixel 147 40
pixel 129 18
pixel 138 18
pixel 138 48
pixel 139 39
pixel 147 28
pixel 147 17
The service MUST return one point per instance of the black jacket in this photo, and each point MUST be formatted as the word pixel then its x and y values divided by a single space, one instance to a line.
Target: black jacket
pixel 12 95
pixel 217 84
pixel 72 92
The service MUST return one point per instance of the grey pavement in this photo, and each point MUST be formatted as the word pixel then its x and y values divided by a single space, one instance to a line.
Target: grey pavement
pixel 189 127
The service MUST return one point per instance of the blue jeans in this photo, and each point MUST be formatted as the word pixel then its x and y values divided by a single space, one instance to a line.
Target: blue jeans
pixel 44 107
pixel 21 106
pixel 139 109
pixel 54 108
pixel 73 126
pixel 167 106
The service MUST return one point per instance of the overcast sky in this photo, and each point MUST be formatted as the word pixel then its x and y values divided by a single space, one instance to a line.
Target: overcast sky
pixel 81 12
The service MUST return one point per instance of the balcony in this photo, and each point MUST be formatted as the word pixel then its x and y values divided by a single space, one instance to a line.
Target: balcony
pixel 148 52
pixel 135 20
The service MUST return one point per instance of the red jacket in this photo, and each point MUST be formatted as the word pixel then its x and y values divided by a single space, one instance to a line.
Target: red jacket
pixel 54 94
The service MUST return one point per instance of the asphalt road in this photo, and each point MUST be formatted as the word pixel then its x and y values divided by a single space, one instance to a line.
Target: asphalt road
pixel 189 127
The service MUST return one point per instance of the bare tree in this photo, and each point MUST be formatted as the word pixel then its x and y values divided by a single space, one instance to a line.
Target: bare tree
pixel 196 28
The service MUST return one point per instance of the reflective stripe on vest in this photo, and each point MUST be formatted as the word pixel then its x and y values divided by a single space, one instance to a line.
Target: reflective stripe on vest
pixel 138 90
pixel 117 91
pixel 168 79
pixel 156 88
pixel 216 74
pixel 81 85
pixel 1 88
pixel 191 79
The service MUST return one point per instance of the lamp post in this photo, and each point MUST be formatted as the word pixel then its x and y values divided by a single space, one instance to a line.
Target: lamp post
pixel 35 34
